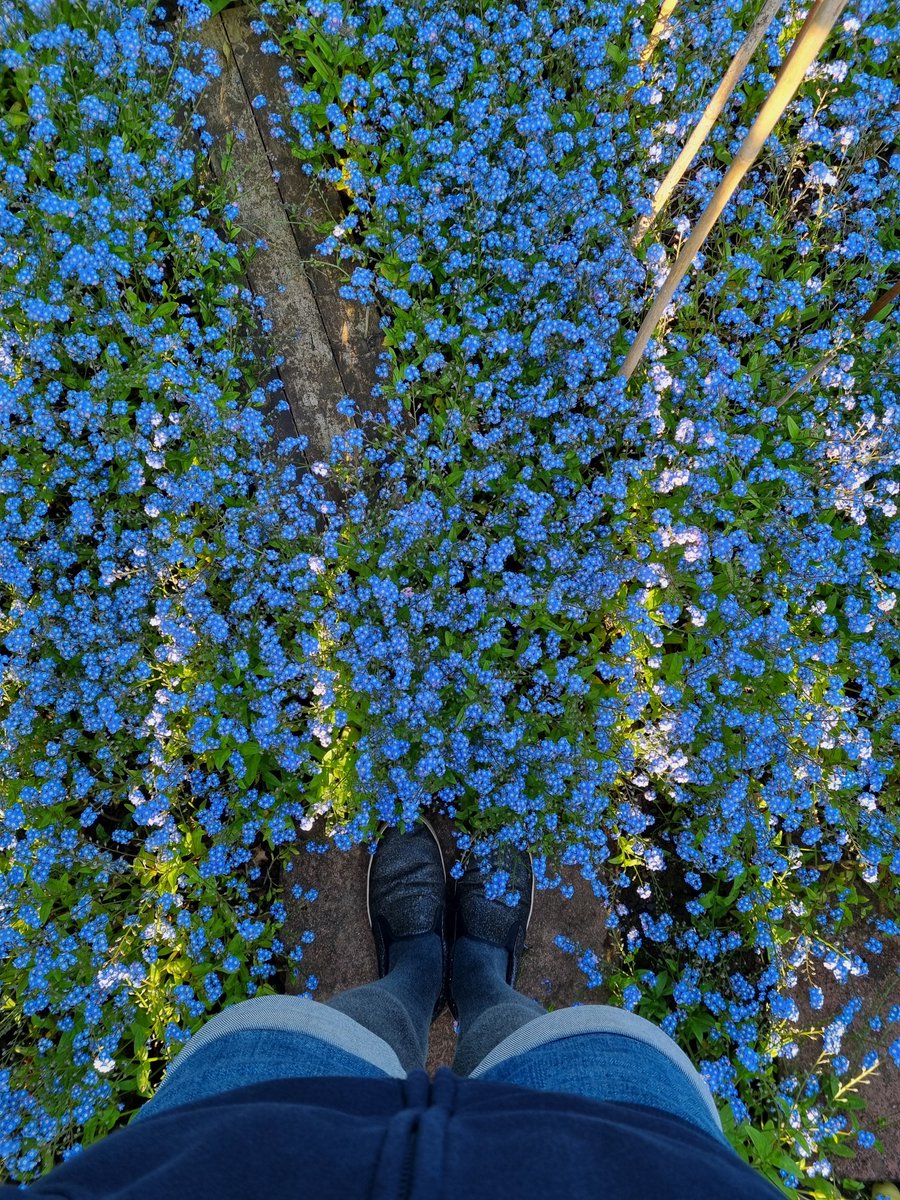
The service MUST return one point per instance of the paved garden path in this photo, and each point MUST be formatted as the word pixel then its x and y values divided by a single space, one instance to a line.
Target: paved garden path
pixel 330 348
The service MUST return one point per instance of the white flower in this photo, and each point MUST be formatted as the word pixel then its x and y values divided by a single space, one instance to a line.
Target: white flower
pixel 671 479
pixel 685 431
pixel 104 1065
pixel 317 564
pixel 822 175
pixel 660 376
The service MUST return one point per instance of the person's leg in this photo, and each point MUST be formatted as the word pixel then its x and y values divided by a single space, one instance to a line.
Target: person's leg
pixel 604 1053
pixel 271 1037
pixel 399 1007
pixel 489 1009
pixel 407 911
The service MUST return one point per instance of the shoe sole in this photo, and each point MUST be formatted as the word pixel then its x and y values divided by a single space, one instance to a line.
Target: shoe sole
pixel 381 828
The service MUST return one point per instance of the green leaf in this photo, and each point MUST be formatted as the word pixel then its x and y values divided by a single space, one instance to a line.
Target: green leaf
pixel 764 1141
pixel 674 664
pixel 220 756
pixel 841 1150
pixel 321 69
pixel 792 427
pixel 328 51
pixel 252 754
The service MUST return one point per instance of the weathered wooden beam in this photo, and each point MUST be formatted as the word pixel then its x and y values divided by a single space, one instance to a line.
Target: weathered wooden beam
pixel 352 329
pixel 312 382
pixel 281 423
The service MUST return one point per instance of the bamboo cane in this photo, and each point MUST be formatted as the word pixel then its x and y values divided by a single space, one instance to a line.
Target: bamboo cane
pixel 807 44
pixel 659 28
pixel 710 116
pixel 816 371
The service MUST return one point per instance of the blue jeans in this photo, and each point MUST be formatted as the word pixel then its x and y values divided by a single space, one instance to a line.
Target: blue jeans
pixel 381 1030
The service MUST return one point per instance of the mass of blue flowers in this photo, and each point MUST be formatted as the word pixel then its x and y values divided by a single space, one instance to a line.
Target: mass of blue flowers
pixel 646 629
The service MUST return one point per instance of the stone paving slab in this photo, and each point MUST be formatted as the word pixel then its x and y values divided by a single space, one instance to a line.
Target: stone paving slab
pixel 343 953
pixel 878 990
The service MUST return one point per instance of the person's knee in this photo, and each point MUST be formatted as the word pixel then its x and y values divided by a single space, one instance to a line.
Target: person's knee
pixel 489 1029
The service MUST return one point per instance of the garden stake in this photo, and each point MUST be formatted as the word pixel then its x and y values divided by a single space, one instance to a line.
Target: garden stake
pixel 814 372
pixel 802 54
pixel 659 27
pixel 711 114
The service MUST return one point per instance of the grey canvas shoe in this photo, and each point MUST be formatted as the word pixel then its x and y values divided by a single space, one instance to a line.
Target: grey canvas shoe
pixel 472 915
pixel 406 893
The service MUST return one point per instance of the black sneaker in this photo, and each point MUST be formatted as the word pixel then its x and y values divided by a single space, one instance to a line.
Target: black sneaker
pixel 473 915
pixel 406 893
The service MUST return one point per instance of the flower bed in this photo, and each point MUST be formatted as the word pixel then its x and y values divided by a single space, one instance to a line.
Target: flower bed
pixel 646 629
pixel 142 704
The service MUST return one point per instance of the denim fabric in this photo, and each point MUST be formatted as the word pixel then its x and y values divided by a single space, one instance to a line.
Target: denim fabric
pixel 271 1037
pixel 380 1031
pixel 604 1053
